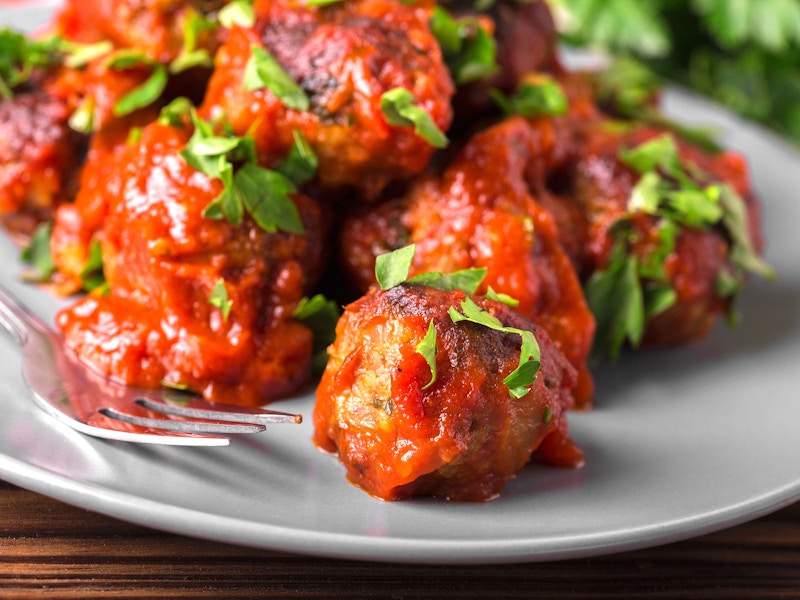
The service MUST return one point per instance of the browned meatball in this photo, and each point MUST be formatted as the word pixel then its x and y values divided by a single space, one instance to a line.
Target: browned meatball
pixel 480 213
pixel 460 438
pixel 694 265
pixel 344 57
pixel 38 158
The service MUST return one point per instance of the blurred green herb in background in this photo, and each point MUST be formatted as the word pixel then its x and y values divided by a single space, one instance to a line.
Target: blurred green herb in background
pixel 744 54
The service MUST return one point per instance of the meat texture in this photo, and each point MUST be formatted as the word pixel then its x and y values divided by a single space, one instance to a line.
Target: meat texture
pixel 480 213
pixel 461 437
pixel 344 57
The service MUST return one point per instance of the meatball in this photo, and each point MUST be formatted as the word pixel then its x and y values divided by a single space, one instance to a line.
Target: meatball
pixel 461 437
pixel 38 158
pixel 602 187
pixel 192 301
pixel 344 57
pixel 480 213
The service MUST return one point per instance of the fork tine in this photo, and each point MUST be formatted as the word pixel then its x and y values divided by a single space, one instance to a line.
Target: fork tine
pixel 181 426
pixel 234 415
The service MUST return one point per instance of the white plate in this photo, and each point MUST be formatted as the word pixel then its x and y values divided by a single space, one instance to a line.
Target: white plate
pixel 681 442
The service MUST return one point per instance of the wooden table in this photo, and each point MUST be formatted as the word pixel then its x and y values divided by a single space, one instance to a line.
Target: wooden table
pixel 51 550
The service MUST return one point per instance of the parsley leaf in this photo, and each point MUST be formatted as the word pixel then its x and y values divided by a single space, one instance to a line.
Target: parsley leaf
pixel 300 165
pixel 92 276
pixel 190 55
pixel 20 56
pixel 219 299
pixel 38 254
pixel 469 50
pixel 391 268
pixel 263 71
pixel 238 12
pixel 520 379
pixel 146 93
pixel 399 109
pixel 535 97
pixel 427 348
pixel 320 315
pixel 263 193
pixel 466 280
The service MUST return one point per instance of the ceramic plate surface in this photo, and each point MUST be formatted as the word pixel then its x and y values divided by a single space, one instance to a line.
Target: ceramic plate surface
pixel 682 442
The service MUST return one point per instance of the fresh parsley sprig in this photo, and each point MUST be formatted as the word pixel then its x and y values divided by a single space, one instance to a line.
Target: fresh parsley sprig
pixel 262 193
pixel 20 57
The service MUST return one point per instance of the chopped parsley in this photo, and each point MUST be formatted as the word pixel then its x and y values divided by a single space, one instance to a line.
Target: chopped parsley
pixel 190 56
pixel 149 91
pixel 520 379
pixel 632 289
pixel 427 348
pixel 536 96
pixel 39 255
pixel 399 107
pixel 469 50
pixel 320 315
pixel 20 57
pixel 262 193
pixel 92 275
pixel 391 269
pixel 238 12
pixel 264 71
pixel 219 299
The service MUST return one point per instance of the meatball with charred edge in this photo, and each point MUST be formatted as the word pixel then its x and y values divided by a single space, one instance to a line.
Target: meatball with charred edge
pixel 163 260
pixel 344 57
pixel 463 437
pixel 480 213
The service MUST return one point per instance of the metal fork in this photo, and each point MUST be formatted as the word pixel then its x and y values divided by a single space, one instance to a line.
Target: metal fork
pixel 95 405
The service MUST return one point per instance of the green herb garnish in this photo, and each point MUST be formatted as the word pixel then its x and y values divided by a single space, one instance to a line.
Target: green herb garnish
pixel 320 315
pixel 238 12
pixel 300 165
pixel 219 299
pixel 535 97
pixel 633 289
pixel 469 50
pixel 20 57
pixel 190 55
pixel 39 255
pixel 427 348
pixel 92 275
pixel 263 71
pixel 520 379
pixel 149 91
pixel 263 193
pixel 399 108
pixel 391 269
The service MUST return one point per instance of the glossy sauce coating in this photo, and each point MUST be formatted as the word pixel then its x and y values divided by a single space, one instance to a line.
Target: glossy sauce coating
pixel 162 259
pixel 463 437
pixel 480 213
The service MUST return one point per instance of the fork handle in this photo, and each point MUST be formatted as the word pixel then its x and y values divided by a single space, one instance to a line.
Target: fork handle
pixel 13 318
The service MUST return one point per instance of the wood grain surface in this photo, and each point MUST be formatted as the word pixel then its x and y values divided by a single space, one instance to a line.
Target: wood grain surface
pixel 51 550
